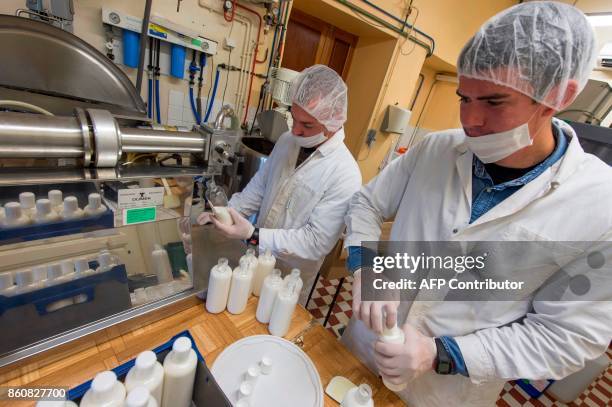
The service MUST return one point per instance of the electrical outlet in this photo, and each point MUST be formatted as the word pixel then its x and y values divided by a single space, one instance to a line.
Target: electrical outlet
pixel 371 137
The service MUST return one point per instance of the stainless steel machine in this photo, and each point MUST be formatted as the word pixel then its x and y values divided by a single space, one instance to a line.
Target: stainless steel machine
pixel 71 121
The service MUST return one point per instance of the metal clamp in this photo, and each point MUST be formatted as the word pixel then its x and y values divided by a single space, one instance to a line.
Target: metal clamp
pixel 107 137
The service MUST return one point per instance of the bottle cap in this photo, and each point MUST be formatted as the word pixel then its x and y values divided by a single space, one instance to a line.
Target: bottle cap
pixel 54 271
pixel 138 397
pixel 71 205
pixel 27 200
pixel 12 211
pixel 43 207
pixel 146 360
pixel 94 200
pixel 265 365
pixel 55 196
pixel 103 382
pixel 39 273
pixel 24 277
pixel 364 393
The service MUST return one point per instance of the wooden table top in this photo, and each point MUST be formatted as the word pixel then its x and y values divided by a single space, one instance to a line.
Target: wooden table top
pixel 80 360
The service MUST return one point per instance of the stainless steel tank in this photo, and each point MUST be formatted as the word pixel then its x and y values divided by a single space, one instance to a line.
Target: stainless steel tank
pixel 255 152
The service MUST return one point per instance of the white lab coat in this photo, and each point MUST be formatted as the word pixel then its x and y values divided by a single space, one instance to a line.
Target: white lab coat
pixel 301 210
pixel 429 191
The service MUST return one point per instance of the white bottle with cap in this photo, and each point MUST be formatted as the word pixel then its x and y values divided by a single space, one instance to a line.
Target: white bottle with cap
pixel 140 397
pixel 161 262
pixel 7 284
pixel 71 209
pixel 218 287
pixel 251 259
pixel 14 215
pixel 44 212
pixel 221 213
pixel 393 335
pixel 265 265
pixel 240 287
pixel 284 306
pixel 27 200
pixel 148 373
pixel 269 291
pixel 56 403
pixel 360 396
pixel 294 275
pixel 105 391
pixel 106 261
pixel 57 200
pixel 179 374
pixel 94 205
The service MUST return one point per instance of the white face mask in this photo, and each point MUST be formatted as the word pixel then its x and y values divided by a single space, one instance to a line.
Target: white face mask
pixel 497 146
pixel 309 142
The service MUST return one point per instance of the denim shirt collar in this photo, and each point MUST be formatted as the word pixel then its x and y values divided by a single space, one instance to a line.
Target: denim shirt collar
pixel 560 148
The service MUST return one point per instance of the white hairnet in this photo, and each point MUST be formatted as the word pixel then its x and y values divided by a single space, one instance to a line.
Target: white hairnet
pixel 534 48
pixel 321 92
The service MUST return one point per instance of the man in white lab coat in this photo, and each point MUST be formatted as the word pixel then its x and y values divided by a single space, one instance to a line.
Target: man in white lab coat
pixel 301 193
pixel 513 173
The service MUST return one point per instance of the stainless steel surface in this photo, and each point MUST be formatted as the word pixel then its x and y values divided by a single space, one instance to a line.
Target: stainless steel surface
pixel 48 60
pixel 88 148
pixel 35 135
pixel 91 328
pixel 255 151
pixel 161 141
pixel 225 112
pixel 106 137
pixel 272 124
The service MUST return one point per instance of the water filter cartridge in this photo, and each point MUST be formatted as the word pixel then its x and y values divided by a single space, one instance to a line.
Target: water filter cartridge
pixel 131 47
pixel 218 287
pixel 177 61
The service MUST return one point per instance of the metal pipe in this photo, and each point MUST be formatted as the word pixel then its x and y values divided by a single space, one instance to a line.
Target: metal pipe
pixel 135 140
pixel 144 31
pixel 33 135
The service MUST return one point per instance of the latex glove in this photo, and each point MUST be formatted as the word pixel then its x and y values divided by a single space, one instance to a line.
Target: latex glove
pixel 371 312
pixel 402 363
pixel 241 229
pixel 184 224
pixel 204 218
pixel 186 238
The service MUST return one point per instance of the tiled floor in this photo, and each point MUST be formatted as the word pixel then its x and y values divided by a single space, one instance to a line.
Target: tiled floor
pixel 599 393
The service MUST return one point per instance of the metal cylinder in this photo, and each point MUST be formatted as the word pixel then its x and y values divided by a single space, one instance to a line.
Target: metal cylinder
pixel 25 135
pixel 136 140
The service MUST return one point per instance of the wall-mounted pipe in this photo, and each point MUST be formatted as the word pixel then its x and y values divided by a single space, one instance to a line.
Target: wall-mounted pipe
pixel 388 25
pixel 141 54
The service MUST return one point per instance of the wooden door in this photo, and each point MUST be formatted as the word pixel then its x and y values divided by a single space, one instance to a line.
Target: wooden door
pixel 310 41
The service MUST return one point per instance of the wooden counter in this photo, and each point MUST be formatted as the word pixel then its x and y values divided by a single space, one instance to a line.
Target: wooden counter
pixel 80 360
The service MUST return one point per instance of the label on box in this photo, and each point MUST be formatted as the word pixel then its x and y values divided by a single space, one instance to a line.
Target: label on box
pixel 139 215
pixel 140 197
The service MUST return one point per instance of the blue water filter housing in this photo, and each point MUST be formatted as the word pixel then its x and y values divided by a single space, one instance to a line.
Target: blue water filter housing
pixel 177 61
pixel 131 47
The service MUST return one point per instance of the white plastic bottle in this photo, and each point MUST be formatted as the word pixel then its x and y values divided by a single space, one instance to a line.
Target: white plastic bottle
pixel 27 200
pixel 218 287
pixel 14 215
pixel 161 262
pixel 265 265
pixel 71 209
pixel 284 305
pixel 94 205
pixel 148 373
pixel 221 213
pixel 240 288
pixel 251 259
pixel 105 391
pixel 57 200
pixel 56 403
pixel 7 284
pixel 179 374
pixel 393 335
pixel 44 212
pixel 360 396
pixel 140 397
pixel 270 288
pixel 294 275
pixel 106 261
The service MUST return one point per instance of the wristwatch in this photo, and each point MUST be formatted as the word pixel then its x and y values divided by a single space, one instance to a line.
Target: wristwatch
pixel 443 363
pixel 254 239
